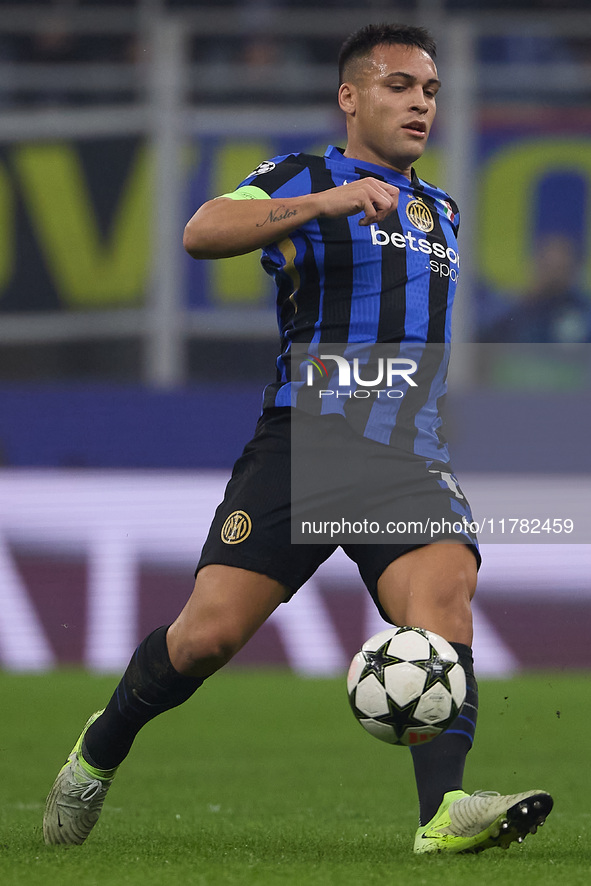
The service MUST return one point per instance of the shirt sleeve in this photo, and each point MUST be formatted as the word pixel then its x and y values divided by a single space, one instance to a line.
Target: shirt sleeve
pixel 285 176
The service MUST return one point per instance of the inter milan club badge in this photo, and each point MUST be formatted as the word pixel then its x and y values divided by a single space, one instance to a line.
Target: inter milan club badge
pixel 236 528
pixel 419 214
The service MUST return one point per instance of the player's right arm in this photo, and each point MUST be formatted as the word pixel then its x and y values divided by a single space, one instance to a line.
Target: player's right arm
pixel 236 224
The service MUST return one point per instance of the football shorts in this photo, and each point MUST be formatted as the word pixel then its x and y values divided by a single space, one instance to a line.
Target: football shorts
pixel 404 501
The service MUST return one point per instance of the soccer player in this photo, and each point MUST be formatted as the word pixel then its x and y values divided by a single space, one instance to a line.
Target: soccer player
pixel 362 251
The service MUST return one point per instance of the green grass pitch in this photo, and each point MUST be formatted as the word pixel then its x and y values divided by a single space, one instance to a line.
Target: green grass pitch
pixel 265 778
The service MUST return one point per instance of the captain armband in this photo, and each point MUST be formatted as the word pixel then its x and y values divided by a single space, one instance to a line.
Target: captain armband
pixel 248 192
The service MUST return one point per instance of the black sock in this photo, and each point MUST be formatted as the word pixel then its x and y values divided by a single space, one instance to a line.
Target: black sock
pixel 439 764
pixel 149 686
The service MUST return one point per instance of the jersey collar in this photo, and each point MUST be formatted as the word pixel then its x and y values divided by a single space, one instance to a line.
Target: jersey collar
pixel 336 155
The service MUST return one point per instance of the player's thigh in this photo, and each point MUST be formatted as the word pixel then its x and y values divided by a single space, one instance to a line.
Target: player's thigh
pixel 226 608
pixel 248 564
pixel 432 587
pixel 434 570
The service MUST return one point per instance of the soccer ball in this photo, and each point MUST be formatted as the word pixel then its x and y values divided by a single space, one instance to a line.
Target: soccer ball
pixel 406 685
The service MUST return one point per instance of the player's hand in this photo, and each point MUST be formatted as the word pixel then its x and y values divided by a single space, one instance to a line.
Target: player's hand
pixel 376 199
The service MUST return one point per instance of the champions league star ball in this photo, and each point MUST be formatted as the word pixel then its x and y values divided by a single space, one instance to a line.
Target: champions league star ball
pixel 406 685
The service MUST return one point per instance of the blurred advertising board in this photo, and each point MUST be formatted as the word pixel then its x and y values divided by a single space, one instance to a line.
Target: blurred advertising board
pixel 76 213
pixel 90 561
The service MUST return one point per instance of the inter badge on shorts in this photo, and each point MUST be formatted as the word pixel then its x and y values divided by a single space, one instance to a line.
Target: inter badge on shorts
pixel 236 528
pixel 419 214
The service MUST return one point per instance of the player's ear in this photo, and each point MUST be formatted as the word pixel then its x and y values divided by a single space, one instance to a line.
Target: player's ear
pixel 347 98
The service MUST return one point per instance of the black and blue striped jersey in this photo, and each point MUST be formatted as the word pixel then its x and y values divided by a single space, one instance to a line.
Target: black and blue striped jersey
pixel 341 283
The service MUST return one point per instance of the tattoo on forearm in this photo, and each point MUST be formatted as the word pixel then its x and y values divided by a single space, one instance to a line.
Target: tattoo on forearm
pixel 277 215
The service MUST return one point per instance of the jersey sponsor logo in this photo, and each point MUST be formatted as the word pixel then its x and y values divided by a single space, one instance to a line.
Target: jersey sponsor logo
pixel 265 166
pixel 237 527
pixel 419 215
pixel 408 240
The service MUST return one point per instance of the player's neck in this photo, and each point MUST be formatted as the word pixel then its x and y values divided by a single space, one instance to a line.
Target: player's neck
pixel 366 155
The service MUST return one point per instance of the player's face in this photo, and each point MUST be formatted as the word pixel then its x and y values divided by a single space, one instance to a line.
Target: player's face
pixel 390 106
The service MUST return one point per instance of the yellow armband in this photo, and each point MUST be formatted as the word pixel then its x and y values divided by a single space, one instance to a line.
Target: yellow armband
pixel 248 192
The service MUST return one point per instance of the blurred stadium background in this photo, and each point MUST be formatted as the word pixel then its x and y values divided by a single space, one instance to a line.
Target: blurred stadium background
pixel 130 376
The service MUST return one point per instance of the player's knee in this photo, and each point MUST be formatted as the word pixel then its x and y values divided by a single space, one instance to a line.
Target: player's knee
pixel 202 653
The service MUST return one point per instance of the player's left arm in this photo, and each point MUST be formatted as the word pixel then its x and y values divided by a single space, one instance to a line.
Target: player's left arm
pixel 249 218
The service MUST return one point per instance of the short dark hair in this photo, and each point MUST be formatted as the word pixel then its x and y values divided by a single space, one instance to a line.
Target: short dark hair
pixel 362 42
